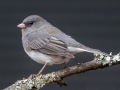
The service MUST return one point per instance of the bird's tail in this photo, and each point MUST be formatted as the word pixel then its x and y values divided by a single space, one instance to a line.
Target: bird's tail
pixel 91 50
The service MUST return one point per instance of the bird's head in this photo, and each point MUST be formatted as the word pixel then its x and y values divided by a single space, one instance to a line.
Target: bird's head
pixel 31 23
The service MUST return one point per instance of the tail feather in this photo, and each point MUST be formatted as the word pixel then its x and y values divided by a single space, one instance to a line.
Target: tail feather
pixel 91 50
pixel 85 49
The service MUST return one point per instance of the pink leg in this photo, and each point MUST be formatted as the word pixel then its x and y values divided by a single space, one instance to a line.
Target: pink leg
pixel 42 69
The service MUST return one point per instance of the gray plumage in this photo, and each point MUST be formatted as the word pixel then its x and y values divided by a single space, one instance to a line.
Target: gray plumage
pixel 39 36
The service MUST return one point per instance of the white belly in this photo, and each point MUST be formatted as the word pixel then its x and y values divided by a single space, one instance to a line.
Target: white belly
pixel 43 58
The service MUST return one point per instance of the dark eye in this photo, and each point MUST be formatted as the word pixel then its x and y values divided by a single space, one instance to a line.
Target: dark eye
pixel 30 23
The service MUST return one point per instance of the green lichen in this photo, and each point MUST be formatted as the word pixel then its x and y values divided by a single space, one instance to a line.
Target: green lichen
pixel 108 59
pixel 41 80
pixel 37 81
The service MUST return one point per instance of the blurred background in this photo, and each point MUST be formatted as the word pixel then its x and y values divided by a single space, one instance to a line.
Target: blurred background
pixel 94 23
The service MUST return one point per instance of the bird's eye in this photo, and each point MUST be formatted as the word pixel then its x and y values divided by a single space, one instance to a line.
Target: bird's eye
pixel 31 23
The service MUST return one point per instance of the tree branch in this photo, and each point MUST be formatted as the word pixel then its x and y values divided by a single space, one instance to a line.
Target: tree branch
pixel 100 61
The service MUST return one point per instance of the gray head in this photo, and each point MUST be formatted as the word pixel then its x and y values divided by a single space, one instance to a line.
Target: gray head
pixel 31 23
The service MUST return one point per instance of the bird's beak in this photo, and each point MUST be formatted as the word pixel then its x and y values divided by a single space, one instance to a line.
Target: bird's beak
pixel 22 25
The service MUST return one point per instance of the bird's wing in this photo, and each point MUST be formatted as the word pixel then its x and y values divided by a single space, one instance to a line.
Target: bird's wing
pixel 51 46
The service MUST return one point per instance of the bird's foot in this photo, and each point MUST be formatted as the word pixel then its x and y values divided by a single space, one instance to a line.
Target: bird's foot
pixel 63 67
pixel 32 76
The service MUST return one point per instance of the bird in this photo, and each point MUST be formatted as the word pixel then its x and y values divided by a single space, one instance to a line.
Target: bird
pixel 48 45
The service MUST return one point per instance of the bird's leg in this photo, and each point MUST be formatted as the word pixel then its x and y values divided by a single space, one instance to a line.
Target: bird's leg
pixel 63 66
pixel 42 69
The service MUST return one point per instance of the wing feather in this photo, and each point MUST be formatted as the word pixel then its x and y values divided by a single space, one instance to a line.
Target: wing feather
pixel 51 46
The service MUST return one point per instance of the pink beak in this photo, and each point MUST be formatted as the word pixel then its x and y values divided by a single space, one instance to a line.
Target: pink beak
pixel 22 25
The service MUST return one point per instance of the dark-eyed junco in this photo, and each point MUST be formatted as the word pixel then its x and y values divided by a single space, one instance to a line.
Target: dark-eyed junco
pixel 47 45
